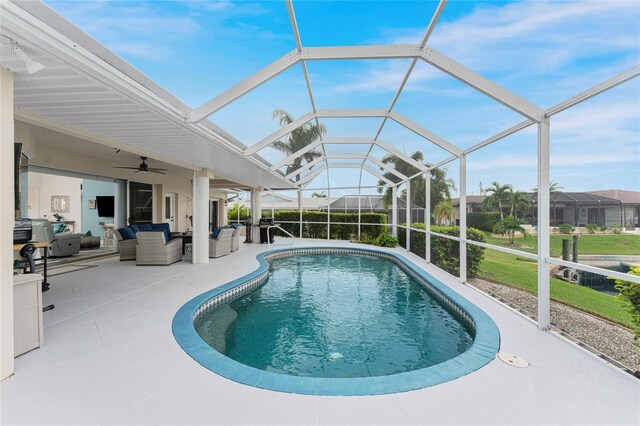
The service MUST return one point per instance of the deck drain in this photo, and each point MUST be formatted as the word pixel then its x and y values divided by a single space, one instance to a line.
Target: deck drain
pixel 513 360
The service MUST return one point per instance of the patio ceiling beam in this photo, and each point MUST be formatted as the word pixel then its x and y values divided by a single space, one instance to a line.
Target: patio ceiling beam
pixel 351 113
pixel 595 90
pixel 389 51
pixel 482 84
pixel 245 86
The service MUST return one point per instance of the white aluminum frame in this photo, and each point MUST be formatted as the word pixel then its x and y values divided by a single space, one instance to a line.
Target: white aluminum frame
pixel 416 52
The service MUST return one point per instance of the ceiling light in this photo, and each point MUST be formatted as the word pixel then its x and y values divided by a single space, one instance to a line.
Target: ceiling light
pixel 32 66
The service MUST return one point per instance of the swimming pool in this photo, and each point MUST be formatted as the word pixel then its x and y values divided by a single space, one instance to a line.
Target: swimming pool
pixel 335 321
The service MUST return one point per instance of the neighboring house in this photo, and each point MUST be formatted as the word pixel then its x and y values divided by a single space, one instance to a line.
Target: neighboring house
pixel 604 208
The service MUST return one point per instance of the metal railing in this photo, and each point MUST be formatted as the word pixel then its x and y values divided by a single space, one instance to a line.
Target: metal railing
pixel 293 240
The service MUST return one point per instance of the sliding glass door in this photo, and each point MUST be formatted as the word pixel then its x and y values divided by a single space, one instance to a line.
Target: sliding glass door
pixel 140 203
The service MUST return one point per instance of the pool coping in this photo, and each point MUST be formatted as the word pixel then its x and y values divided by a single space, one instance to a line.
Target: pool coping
pixel 482 351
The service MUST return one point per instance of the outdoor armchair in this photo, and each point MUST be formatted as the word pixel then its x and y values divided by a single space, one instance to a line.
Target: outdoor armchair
pixel 221 245
pixel 154 250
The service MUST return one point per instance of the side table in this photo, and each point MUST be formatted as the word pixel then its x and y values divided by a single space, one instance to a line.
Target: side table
pixel 188 252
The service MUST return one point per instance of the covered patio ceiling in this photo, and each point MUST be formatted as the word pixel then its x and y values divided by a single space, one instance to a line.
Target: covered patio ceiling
pixel 87 91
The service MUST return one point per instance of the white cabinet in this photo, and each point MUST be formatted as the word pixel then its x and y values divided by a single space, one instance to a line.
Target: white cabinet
pixel 27 308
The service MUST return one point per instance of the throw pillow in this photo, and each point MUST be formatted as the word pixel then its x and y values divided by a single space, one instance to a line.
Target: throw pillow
pixel 127 233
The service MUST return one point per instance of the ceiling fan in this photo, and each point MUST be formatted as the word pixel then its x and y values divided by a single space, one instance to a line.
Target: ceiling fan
pixel 143 167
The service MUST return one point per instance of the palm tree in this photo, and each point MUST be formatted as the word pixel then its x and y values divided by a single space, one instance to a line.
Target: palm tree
pixel 298 139
pixel 510 225
pixel 519 201
pixel 444 213
pixel 441 187
pixel 553 187
pixel 319 195
pixel 499 195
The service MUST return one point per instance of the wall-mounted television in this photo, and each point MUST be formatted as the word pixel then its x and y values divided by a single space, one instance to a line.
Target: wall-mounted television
pixel 105 205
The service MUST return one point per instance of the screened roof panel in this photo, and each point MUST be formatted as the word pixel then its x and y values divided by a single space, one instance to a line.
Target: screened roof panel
pixel 451 109
pixel 596 142
pixel 351 127
pixel 347 148
pixel 353 23
pixel 363 84
pixel 544 51
pixel 407 141
pixel 512 160
pixel 286 91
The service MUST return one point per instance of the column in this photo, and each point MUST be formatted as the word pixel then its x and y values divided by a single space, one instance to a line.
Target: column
pixel 201 216
pixel 544 313
pixel 463 219
pixel 408 218
pixel 427 216
pixel 394 211
pixel 300 209
pixel 256 212
pixel 7 216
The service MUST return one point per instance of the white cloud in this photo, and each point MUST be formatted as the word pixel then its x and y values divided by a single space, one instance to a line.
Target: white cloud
pixel 523 42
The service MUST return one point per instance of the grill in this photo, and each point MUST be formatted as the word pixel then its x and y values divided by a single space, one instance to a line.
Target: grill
pixel 265 223
pixel 22 231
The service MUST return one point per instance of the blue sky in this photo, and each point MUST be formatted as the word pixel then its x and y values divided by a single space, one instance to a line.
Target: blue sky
pixel 543 51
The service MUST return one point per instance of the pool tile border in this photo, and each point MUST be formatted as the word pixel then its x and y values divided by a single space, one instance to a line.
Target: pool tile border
pixel 484 348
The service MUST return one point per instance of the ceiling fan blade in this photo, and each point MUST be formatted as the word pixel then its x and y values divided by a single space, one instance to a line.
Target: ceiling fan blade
pixel 153 169
pixel 157 172
pixel 129 168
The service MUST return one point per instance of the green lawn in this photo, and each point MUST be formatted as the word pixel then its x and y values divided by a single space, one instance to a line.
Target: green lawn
pixel 588 244
pixel 519 272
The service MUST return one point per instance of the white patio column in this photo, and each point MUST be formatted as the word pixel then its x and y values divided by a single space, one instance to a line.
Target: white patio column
pixel 544 307
pixel 427 216
pixel 256 212
pixel 408 218
pixel 394 211
pixel 201 216
pixel 7 216
pixel 300 209
pixel 463 218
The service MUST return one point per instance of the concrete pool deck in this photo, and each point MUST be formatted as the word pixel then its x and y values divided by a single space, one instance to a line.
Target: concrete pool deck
pixel 110 358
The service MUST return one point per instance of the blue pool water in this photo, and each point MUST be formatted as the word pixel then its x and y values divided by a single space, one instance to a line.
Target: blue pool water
pixel 336 316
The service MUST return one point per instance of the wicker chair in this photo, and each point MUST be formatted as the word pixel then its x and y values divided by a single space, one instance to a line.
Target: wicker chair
pixel 127 247
pixel 222 245
pixel 154 250
pixel 235 238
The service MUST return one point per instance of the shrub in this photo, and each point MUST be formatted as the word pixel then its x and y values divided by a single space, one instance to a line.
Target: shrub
pixel 566 228
pixel 592 228
pixel 445 253
pixel 484 221
pixel 630 296
pixel 347 224
pixel 617 229
pixel 604 228
pixel 509 226
pixel 386 240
